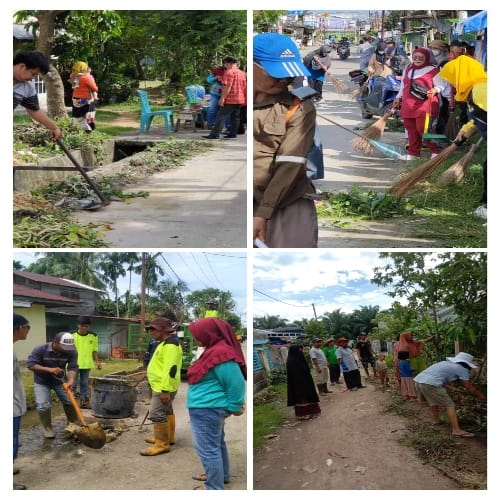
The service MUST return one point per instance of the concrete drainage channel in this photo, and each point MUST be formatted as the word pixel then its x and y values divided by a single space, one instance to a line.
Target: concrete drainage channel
pixel 57 168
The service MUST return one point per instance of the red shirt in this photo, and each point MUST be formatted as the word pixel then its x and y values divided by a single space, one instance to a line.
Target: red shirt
pixel 237 80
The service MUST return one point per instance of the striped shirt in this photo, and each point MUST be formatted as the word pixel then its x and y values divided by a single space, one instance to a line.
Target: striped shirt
pixel 25 95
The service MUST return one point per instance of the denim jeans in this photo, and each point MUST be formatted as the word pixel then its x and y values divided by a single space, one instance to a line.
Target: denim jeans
pixel 82 378
pixel 42 396
pixel 17 426
pixel 207 430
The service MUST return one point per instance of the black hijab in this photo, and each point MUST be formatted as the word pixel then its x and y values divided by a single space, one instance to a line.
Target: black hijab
pixel 300 384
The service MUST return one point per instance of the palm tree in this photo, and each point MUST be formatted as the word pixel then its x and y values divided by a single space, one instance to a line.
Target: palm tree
pixel 336 323
pixel 269 322
pixel 78 266
pixel 112 265
pixel 362 319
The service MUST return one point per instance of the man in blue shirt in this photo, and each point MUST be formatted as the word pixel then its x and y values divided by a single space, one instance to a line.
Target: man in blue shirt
pixel 433 382
pixel 53 363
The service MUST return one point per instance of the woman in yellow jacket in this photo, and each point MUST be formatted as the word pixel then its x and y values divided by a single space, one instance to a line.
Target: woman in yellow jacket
pixel 470 80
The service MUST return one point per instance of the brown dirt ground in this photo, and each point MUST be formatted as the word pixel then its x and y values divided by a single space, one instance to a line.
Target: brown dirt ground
pixel 355 445
pixel 66 464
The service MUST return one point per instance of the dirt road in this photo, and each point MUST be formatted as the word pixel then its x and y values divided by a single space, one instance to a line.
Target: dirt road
pixel 352 445
pixel 60 464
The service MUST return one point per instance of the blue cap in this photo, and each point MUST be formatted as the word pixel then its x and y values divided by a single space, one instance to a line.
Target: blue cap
pixel 278 55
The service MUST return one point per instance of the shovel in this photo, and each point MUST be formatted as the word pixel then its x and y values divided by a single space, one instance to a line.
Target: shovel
pixel 92 184
pixel 91 435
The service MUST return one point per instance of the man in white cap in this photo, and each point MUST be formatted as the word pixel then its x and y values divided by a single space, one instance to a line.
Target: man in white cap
pixel 284 211
pixel 49 362
pixel 433 382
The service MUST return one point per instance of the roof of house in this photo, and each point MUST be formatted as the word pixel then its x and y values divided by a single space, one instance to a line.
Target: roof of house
pixel 52 280
pixel 39 296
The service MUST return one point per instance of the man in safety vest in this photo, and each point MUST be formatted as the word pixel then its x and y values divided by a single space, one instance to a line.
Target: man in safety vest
pixel 164 377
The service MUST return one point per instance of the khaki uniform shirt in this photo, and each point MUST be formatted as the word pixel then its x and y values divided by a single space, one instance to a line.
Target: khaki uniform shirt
pixel 280 152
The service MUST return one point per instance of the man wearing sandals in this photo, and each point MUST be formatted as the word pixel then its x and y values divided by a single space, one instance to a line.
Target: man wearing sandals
pixel 433 385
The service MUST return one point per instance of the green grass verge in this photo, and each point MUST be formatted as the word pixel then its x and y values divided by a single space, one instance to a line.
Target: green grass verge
pixel 268 413
pixel 441 213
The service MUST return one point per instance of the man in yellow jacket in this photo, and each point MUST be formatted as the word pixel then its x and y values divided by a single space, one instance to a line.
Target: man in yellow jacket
pixel 164 377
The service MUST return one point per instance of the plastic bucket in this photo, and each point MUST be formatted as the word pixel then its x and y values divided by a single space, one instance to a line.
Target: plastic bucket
pixel 112 398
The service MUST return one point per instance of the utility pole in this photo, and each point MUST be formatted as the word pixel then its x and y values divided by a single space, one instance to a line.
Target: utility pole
pixel 314 309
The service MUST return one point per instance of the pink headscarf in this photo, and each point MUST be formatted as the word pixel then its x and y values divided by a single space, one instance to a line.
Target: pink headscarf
pixel 428 57
pixel 220 344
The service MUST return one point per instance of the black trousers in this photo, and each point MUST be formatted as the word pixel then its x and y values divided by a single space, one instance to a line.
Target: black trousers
pixel 228 110
pixel 352 379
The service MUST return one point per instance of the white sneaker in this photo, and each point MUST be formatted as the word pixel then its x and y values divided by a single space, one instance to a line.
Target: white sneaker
pixel 480 211
pixel 433 155
pixel 411 157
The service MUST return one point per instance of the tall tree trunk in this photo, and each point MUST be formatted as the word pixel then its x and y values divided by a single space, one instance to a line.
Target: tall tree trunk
pixel 53 81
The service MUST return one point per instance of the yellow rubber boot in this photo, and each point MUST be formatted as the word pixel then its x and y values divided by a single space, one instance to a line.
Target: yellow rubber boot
pixel 171 422
pixel 162 441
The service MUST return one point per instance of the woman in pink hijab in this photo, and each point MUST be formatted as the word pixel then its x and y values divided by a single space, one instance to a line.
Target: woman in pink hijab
pixel 423 74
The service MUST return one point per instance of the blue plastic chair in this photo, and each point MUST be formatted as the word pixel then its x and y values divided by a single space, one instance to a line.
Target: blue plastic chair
pixel 147 115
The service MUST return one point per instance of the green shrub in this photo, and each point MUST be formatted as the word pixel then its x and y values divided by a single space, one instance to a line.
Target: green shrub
pixel 277 376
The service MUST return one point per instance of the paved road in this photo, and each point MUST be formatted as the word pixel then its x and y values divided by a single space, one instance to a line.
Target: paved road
pixel 345 168
pixel 202 204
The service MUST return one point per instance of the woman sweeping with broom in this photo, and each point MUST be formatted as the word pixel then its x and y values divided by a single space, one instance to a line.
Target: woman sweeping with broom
pixel 470 82
pixel 418 97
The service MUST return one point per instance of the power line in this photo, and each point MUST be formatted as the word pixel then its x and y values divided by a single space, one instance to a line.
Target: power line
pixel 278 300
pixel 232 256
pixel 170 267
pixel 202 269
pixel 192 272
pixel 213 272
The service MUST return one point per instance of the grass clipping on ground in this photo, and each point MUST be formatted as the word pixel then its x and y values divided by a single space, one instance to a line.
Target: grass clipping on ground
pixel 39 224
pixel 436 446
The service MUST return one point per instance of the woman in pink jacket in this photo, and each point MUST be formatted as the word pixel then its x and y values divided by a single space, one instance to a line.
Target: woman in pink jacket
pixel 418 96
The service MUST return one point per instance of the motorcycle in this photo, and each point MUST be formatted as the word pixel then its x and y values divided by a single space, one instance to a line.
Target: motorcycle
pixel 377 93
pixel 344 51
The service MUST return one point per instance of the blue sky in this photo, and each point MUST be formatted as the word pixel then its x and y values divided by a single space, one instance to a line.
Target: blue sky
pixel 329 279
pixel 225 270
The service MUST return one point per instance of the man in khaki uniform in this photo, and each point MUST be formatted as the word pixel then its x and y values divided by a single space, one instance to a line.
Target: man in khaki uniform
pixel 284 211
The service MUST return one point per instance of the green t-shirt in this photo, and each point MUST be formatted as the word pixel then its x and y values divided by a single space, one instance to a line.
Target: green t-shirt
pixel 330 355
pixel 85 346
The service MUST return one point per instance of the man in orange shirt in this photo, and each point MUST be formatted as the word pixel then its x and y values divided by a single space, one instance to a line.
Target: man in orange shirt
pixel 233 97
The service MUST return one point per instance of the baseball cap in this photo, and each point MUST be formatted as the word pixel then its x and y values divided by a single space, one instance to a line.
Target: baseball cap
pixel 163 325
pixel 278 55
pixel 65 340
